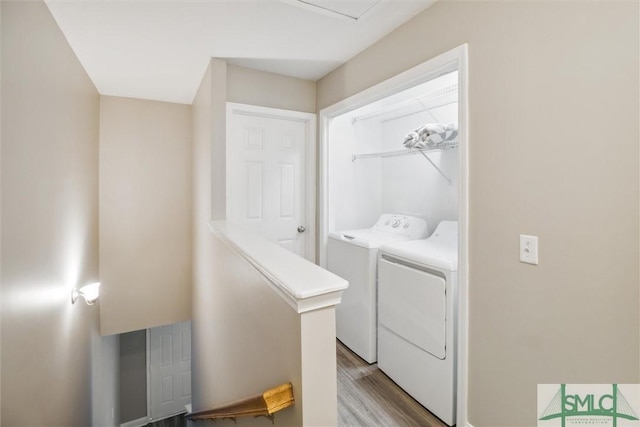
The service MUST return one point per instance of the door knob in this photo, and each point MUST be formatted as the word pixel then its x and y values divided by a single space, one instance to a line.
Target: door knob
pixel 301 229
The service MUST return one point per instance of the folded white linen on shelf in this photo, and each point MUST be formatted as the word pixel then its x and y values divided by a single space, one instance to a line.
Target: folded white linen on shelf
pixel 431 135
pixel 411 139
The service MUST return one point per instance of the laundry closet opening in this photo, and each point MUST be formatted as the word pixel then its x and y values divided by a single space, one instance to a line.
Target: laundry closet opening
pixel 393 222
pixel 379 164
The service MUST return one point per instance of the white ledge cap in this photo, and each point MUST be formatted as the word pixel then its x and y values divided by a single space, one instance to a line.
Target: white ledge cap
pixel 302 284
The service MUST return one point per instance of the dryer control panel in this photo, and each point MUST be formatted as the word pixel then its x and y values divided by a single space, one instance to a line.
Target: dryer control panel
pixel 404 225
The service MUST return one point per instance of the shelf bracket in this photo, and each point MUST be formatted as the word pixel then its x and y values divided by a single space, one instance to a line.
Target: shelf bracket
pixel 436 167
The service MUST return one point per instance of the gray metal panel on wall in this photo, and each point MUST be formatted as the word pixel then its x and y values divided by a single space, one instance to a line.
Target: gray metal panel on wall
pixel 133 375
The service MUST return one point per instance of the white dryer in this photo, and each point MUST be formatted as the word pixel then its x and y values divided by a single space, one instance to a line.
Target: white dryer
pixel 417 312
pixel 352 255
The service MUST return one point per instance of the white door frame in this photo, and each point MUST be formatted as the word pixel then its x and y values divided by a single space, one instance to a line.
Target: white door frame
pixel 148 344
pixel 455 59
pixel 309 119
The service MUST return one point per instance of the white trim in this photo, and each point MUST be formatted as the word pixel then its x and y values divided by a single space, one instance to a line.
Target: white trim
pixel 454 59
pixel 300 283
pixel 463 236
pixel 309 119
pixel 469 424
pixel 148 357
pixel 323 186
pixel 143 421
pixel 310 188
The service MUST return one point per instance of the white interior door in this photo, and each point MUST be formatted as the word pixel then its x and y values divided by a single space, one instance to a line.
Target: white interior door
pixel 169 370
pixel 267 174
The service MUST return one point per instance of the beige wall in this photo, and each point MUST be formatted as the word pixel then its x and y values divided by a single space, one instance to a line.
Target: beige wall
pixel 248 338
pixel 221 298
pixel 218 139
pixel 202 131
pixel 49 222
pixel 239 323
pixel 253 87
pixel 224 83
pixel 553 152
pixel 145 214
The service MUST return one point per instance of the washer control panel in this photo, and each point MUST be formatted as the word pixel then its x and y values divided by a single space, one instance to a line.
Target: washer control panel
pixel 405 225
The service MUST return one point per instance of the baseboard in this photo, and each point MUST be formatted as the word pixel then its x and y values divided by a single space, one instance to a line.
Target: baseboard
pixel 469 424
pixel 136 423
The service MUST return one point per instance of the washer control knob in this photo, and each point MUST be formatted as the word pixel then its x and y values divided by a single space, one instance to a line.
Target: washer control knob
pixel 396 223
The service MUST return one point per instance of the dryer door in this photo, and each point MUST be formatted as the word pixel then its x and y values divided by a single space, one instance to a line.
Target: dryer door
pixel 412 304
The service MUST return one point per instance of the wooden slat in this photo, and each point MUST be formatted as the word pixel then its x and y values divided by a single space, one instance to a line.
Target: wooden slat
pixel 267 403
pixel 278 398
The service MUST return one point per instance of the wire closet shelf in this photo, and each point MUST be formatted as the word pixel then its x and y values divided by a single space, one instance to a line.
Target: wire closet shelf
pixel 445 145
pixel 428 102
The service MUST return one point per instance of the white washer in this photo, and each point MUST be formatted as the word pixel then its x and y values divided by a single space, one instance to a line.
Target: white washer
pixel 352 255
pixel 417 312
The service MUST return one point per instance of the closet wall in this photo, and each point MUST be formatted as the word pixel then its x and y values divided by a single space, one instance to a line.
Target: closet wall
pixel 354 187
pixel 361 190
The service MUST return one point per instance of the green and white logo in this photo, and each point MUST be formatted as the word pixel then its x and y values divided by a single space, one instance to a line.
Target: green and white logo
pixel 562 405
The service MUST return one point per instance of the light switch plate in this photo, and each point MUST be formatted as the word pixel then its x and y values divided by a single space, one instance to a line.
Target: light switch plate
pixel 529 249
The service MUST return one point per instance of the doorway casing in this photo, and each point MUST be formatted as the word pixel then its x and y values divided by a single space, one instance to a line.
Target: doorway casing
pixel 309 186
pixel 454 59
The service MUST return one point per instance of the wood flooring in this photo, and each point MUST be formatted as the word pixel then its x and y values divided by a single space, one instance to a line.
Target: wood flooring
pixel 368 398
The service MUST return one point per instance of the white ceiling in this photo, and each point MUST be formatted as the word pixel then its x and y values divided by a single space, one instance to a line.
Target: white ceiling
pixel 159 49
